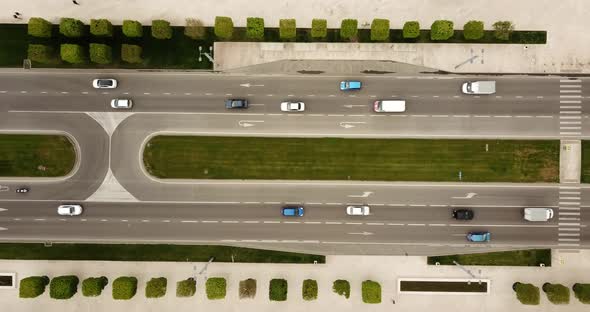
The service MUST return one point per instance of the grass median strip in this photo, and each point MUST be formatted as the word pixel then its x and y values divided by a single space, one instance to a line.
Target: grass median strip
pixel 25 155
pixel 203 157
pixel 532 257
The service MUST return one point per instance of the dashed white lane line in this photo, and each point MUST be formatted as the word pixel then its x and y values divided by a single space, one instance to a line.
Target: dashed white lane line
pixel 209 221
pixel 229 221
pixel 251 222
pixel 332 222
pixel 311 222
pixel 291 222
pixel 437 224
pixel 354 223
pixel 375 223
pixel 396 224
pixel 189 221
pixel 272 222
pixel 416 224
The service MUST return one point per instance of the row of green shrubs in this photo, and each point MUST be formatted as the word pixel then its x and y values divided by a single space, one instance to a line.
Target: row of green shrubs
pixel 530 294
pixel 125 287
pixel 77 54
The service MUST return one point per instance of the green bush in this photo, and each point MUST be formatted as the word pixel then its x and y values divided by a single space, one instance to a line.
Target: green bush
pixel 342 288
pixel 156 287
pixel 93 286
pixel 186 288
pixel 503 30
pixel 527 293
pixel 411 30
pixel 582 292
pixel 473 30
pixel 371 292
pixel 309 290
pixel 32 286
pixel 557 293
pixel 224 27
pixel 277 290
pixel 255 28
pixel 132 29
pixel 131 53
pixel 248 288
pixel 101 27
pixel 380 29
pixel 124 287
pixel 441 30
pixel 319 28
pixel 40 53
pixel 161 29
pixel 63 287
pixel 215 288
pixel 194 29
pixel 39 27
pixel 287 29
pixel 72 53
pixel 100 53
pixel 349 29
pixel 71 27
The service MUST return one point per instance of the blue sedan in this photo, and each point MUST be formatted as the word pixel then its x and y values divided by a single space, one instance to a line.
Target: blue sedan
pixel 479 237
pixel 349 85
pixel 293 211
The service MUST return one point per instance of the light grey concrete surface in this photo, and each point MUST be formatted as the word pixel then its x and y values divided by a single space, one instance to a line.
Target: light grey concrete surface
pixel 570 161
pixel 567 269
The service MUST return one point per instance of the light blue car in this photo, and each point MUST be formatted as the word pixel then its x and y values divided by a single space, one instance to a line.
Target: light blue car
pixel 349 85
pixel 293 211
pixel 479 237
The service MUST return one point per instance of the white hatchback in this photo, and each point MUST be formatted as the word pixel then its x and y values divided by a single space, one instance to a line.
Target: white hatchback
pixel 104 83
pixel 121 103
pixel 69 210
pixel 363 210
pixel 292 106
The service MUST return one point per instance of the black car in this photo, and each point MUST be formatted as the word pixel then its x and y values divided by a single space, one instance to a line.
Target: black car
pixel 236 103
pixel 22 190
pixel 463 214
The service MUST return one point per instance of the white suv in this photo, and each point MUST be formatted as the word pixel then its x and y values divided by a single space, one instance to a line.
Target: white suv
pixel 69 210
pixel 121 103
pixel 363 210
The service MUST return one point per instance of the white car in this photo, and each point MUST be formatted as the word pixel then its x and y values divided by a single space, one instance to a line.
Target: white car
pixel 358 210
pixel 121 103
pixel 292 106
pixel 104 83
pixel 69 210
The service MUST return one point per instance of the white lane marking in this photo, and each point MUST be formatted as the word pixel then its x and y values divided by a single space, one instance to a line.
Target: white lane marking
pixel 482 116
pixel 39 219
pixel 570 112
pixel 189 221
pixel 570 80
pixel 502 116
pixel 353 223
pixel 569 208
pixel 570 102
pixel 467 196
pixel 361 233
pixel 229 221
pixel 314 203
pixel 251 222
pixel 124 220
pixel 575 198
pixel 332 222
pixel 417 205
pixel 524 116
pixel 333 203
pixel 209 221
pixel 166 221
pixel 419 115
pixel 416 224
pixel 440 116
pixel 312 222
pixel 570 107
pixel 568 239
pixel 569 203
pixel 272 203
pixel 461 116
pixel 272 222
pixel 146 93
pixel 568 234
pixel 251 202
pixel 375 223
pixel 436 224
pixel 397 224
pixel 145 220
pixel 166 93
pixel 3 229
pixel 569 229
pixel 364 195
pixel 568 224
pixel 569 193
pixel 104 220
pixel 568 219
pixel 291 222
pixel 505 225
pixel 543 116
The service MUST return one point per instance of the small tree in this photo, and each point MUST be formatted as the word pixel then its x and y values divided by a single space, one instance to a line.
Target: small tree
pixel 72 53
pixel 371 292
pixel 349 29
pixel 71 27
pixel 277 290
pixel 309 290
pixel 100 53
pixel 215 288
pixel 557 293
pixel 40 53
pixel 156 287
pixel 473 30
pixel 255 28
pixel 131 53
pixel 342 288
pixel 101 27
pixel 380 29
pixel 39 27
pixel 186 288
pixel 224 27
pixel 411 30
pixel 161 29
pixel 248 288
pixel 503 30
pixel 287 29
pixel 528 294
pixel 32 286
pixel 132 29
pixel 63 287
pixel 194 29
pixel 319 28
pixel 93 286
pixel 124 288
pixel 441 30
pixel 582 292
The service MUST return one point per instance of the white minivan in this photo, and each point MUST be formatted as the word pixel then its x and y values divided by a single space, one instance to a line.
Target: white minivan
pixel 538 214
pixel 390 106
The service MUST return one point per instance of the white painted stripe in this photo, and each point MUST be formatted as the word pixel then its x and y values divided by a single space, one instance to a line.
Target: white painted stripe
pixel 312 222
pixel 332 222
pixel 437 224
pixel 570 112
pixel 570 91
pixel 269 222
pixel 570 122
pixel 569 208
pixel 570 229
pixel 187 221
pixel 568 245
pixel 569 193
pixel 229 221
pixel 570 107
pixel 568 239
pixel 291 222
pixel 570 117
pixel 570 102
pixel 375 223
pixel 400 224
pixel 568 234
pixel 568 219
pixel 570 80
pixel 576 198
pixel 569 213
pixel 416 224
pixel 354 223
pixel 570 86
pixel 570 133
pixel 211 221
pixel 568 224
pixel 569 203
pixel 251 221
pixel 570 128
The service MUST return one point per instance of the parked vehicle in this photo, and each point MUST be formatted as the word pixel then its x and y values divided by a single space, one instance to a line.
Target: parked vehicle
pixel 479 87
pixel 390 106
pixel 69 210
pixel 350 85
pixel 479 237
pixel 121 103
pixel 293 211
pixel 22 190
pixel 362 210
pixel 104 83
pixel 462 214
pixel 538 214
pixel 292 106
pixel 236 103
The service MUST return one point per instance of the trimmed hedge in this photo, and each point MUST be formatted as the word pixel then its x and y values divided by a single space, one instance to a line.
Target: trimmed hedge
pixel 557 293
pixel 124 288
pixel 503 30
pixel 161 29
pixel 371 292
pixel 194 29
pixel 100 53
pixel 101 27
pixel 349 29
pixel 319 28
pixel 71 27
pixel 247 288
pixel 156 287
pixel 411 30
pixel 277 291
pixel 441 30
pixel 93 286
pixel 72 53
pixel 287 29
pixel 473 30
pixel 39 27
pixel 255 28
pixel 582 292
pixel 32 286
pixel 186 288
pixel 215 288
pixel 342 288
pixel 131 53
pixel 40 53
pixel 224 27
pixel 63 287
pixel 380 29
pixel 528 294
pixel 132 29
pixel 309 290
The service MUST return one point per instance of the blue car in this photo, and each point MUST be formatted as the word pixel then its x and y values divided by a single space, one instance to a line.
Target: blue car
pixel 293 211
pixel 349 85
pixel 479 237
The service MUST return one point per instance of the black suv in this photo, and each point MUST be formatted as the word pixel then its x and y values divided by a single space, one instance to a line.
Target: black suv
pixel 463 214
pixel 236 103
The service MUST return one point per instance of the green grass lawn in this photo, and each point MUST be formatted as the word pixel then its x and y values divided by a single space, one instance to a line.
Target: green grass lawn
pixel 585 162
pixel 532 257
pixel 23 155
pixel 145 252
pixel 198 157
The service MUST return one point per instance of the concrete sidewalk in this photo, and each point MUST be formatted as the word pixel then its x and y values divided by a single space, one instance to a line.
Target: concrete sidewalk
pixel 567 269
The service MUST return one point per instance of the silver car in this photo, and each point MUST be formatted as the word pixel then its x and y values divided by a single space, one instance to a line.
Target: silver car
pixel 69 210
pixel 121 103
pixel 292 106
pixel 362 210
pixel 104 83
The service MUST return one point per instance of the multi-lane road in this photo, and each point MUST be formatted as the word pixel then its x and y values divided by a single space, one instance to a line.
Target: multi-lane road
pixel 247 212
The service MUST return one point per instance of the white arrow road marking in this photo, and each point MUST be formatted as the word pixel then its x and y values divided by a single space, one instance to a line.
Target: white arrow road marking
pixel 2 209
pixel 351 106
pixel 3 229
pixel 361 233
pixel 467 196
pixel 248 85
pixel 350 124
pixel 248 123
pixel 365 194
pixel 3 188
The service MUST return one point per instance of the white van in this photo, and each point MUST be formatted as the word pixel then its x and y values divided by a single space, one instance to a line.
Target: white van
pixel 538 214
pixel 390 106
